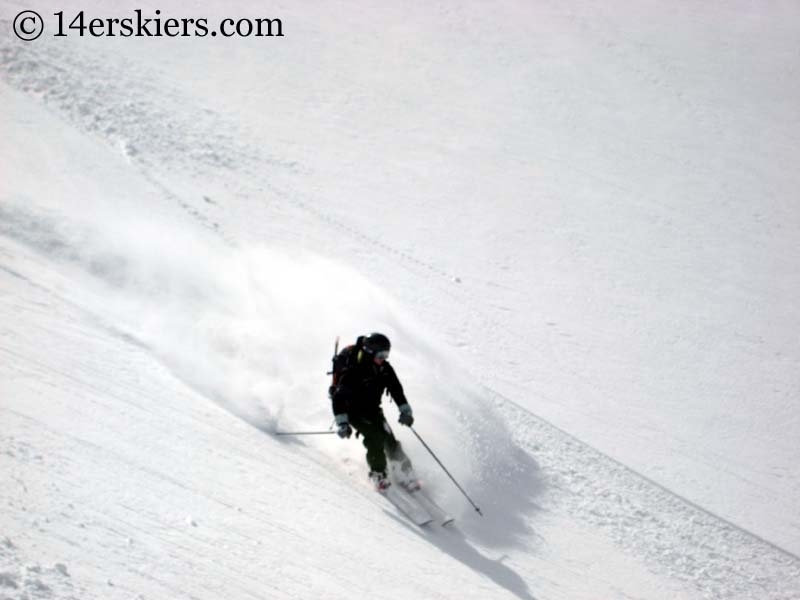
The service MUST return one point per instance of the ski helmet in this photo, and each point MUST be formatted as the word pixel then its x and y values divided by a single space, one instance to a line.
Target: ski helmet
pixel 377 345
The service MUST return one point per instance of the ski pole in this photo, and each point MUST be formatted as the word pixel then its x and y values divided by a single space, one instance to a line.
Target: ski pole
pixel 436 458
pixel 327 431
pixel 303 432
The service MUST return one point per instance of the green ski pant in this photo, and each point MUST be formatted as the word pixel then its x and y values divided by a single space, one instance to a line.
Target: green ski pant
pixel 378 440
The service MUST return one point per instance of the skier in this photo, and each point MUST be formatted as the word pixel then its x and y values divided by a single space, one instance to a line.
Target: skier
pixel 361 375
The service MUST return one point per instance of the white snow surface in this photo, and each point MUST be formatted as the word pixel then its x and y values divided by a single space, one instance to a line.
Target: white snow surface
pixel 578 222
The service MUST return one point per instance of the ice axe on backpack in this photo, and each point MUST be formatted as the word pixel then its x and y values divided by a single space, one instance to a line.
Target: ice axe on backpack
pixel 335 354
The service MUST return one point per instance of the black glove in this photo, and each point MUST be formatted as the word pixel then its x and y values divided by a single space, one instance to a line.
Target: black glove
pixel 344 430
pixel 406 415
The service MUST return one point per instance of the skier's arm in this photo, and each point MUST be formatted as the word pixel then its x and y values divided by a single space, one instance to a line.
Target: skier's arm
pixel 394 386
pixel 396 390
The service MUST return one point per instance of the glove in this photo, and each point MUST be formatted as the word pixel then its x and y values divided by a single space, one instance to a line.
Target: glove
pixel 406 415
pixel 344 430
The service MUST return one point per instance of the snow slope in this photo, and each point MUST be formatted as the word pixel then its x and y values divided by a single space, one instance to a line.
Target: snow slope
pixel 551 211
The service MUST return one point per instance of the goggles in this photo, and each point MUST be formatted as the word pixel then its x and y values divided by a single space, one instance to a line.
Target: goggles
pixel 382 355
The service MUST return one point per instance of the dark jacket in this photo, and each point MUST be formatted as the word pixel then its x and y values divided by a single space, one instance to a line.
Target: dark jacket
pixel 360 387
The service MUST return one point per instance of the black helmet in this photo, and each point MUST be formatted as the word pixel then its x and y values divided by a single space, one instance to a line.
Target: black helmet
pixel 378 345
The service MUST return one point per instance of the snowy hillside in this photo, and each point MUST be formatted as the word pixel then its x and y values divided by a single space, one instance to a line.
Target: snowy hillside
pixel 578 224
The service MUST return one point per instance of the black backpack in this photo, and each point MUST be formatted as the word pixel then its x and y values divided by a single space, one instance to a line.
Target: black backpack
pixel 342 361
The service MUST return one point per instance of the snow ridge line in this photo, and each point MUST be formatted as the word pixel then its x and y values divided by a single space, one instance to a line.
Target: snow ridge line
pixel 649 480
pixel 647 518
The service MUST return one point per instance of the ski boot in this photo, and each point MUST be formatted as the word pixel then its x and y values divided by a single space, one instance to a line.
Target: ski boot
pixel 403 474
pixel 379 480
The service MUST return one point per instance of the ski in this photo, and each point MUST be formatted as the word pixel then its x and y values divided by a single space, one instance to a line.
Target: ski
pixel 403 476
pixel 437 513
pixel 404 502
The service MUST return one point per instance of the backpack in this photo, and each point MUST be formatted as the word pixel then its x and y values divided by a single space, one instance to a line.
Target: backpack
pixel 342 361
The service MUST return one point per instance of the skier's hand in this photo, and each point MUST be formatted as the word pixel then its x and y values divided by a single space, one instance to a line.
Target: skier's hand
pixel 406 415
pixel 344 430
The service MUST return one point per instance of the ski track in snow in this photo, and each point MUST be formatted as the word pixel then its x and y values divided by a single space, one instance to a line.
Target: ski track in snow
pixel 673 536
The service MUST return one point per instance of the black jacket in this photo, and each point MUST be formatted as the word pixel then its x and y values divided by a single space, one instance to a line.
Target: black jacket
pixel 361 386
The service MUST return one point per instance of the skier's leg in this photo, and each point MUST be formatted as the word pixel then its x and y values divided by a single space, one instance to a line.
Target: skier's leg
pixel 374 440
pixel 399 464
pixel 394 451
